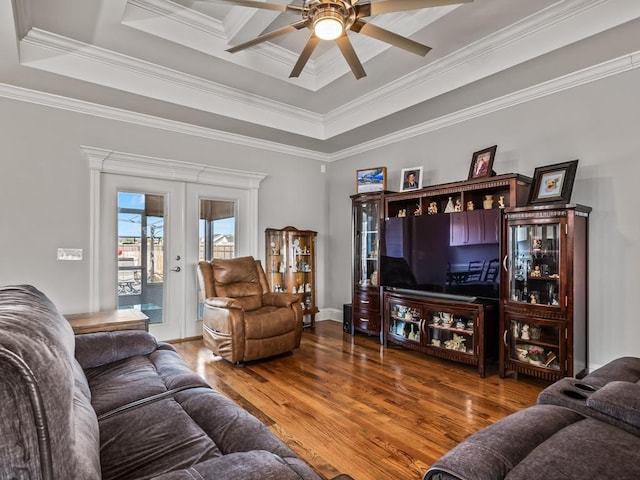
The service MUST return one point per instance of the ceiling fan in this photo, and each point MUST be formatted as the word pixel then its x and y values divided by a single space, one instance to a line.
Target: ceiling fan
pixel 330 20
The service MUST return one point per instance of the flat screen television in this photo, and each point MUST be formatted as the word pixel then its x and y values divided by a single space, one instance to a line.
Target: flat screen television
pixel 452 255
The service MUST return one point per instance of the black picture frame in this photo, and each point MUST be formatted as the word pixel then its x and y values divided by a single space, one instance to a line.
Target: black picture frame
pixel 482 163
pixel 553 183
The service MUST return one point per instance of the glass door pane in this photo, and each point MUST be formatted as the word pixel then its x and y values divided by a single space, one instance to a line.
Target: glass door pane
pixel 141 253
pixel 534 254
pixel 216 233
pixel 217 227
pixel 366 257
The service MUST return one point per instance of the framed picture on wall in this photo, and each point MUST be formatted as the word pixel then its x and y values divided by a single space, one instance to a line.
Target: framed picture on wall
pixel 553 183
pixel 371 179
pixel 482 163
pixel 411 179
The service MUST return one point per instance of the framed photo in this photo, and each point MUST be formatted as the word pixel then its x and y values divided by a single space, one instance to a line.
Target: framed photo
pixel 411 179
pixel 371 180
pixel 553 183
pixel 482 163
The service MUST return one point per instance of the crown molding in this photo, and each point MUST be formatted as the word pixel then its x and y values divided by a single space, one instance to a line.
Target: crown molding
pixel 591 74
pixel 597 72
pixel 141 119
pixel 64 56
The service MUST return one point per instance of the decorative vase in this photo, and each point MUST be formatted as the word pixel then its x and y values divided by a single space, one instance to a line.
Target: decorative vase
pixel 412 334
pixel 488 202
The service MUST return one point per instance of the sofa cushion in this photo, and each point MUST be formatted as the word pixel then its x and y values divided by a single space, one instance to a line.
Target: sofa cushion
pixel 154 374
pixel 52 426
pixel 269 322
pixel 619 400
pixel 585 449
pixel 626 369
pixel 150 440
pixel 238 278
pixel 95 349
pixel 498 448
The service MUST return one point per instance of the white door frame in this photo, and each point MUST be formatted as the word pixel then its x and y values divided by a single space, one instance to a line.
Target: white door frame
pixel 108 161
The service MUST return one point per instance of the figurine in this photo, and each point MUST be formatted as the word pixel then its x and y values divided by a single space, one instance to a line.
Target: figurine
pixel 516 333
pixel 488 202
pixel 458 206
pixel 525 332
pixel 470 205
pixel 418 210
pixel 501 201
pixel 432 209
pixel 533 298
pixel 449 207
pixel 536 273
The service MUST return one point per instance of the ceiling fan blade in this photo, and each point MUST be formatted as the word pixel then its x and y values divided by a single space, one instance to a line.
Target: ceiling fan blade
pixel 350 56
pixel 304 56
pixel 261 5
pixel 268 36
pixel 389 6
pixel 389 37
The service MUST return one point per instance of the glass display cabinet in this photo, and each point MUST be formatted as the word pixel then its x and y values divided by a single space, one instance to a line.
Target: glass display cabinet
pixel 366 221
pixel 291 267
pixel 544 314
pixel 459 331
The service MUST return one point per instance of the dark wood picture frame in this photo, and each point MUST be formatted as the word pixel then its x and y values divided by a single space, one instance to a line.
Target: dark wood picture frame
pixel 553 183
pixel 371 180
pixel 482 163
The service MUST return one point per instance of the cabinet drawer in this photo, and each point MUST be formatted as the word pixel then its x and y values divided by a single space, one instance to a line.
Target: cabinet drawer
pixel 366 320
pixel 366 301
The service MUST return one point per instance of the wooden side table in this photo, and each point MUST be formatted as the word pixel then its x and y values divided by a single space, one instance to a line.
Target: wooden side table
pixel 108 321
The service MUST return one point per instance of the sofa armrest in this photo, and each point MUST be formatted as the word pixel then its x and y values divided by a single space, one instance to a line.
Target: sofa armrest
pixel 223 302
pixel 620 400
pixel 493 451
pixel 101 348
pixel 280 299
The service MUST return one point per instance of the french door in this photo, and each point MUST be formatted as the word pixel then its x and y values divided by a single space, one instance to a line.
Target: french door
pixel 162 229
pixel 142 254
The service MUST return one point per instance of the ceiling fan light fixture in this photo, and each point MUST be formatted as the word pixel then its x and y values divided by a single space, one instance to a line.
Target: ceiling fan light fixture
pixel 328 25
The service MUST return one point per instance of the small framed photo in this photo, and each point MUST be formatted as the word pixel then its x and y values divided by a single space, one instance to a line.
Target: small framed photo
pixel 553 183
pixel 482 163
pixel 371 180
pixel 411 179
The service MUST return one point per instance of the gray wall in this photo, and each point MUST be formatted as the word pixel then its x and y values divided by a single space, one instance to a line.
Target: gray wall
pixel 596 123
pixel 44 191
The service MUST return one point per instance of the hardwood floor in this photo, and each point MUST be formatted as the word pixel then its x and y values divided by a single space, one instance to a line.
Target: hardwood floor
pixel 348 405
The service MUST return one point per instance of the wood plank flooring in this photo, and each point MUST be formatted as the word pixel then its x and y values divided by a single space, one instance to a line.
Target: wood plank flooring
pixel 348 405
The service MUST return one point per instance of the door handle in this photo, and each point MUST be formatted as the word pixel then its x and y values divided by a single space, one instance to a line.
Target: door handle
pixel 175 269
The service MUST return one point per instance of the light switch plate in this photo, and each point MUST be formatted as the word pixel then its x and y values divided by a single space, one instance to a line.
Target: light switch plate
pixel 69 254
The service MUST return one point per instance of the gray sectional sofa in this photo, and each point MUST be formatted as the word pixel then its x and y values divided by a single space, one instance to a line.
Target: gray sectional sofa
pixel 580 428
pixel 117 405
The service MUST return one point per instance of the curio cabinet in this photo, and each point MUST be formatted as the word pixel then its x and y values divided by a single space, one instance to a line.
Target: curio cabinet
pixel 290 265
pixel 366 300
pixel 544 291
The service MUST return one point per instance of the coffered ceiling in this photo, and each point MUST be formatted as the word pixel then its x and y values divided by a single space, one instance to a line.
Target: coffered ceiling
pixel 164 63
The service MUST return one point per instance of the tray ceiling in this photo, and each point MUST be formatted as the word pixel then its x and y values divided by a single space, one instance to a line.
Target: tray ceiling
pixel 166 60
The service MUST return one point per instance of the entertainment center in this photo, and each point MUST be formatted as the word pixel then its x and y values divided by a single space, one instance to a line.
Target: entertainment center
pixel 440 270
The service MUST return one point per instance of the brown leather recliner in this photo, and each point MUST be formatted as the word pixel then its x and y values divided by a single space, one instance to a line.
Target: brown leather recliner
pixel 243 320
